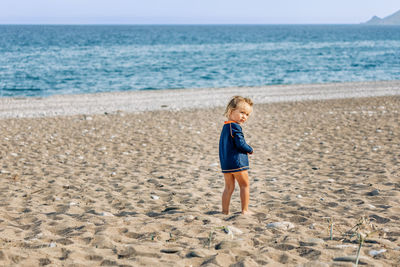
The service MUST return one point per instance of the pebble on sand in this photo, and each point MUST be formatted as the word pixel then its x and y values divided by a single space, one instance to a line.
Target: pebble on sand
pixel 374 192
pixel 280 225
pixel 377 252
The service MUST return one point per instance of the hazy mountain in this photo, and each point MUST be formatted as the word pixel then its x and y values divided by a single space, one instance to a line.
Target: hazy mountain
pixel 393 19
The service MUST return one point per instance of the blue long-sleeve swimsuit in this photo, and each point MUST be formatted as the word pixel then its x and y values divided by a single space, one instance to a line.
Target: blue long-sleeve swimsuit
pixel 233 149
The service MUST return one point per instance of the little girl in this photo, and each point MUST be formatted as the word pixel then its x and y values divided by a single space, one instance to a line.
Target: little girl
pixel 233 151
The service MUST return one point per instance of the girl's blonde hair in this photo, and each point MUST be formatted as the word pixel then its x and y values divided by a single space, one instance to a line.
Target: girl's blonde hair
pixel 235 102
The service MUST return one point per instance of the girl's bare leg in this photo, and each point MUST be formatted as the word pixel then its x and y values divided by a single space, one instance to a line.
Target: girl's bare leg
pixel 243 181
pixel 226 195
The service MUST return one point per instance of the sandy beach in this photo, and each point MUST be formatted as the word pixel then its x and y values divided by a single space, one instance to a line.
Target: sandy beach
pixel 133 179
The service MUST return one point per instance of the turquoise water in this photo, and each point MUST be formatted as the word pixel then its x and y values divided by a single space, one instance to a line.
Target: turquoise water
pixel 39 60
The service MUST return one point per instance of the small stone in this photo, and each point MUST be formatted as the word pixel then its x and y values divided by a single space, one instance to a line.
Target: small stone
pixel 105 213
pixel 373 193
pixel 155 197
pixel 52 245
pixel 180 218
pixel 215 164
pixel 235 230
pixel 189 218
pixel 299 196
pixel 281 225
pixel 376 148
pixel 376 252
pixel 227 230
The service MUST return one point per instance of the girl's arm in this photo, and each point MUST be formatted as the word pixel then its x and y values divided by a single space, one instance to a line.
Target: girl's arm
pixel 238 138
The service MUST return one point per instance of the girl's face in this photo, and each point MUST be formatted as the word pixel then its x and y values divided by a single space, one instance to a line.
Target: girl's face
pixel 241 113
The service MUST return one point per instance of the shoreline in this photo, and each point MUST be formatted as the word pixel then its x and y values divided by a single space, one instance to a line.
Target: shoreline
pixel 177 99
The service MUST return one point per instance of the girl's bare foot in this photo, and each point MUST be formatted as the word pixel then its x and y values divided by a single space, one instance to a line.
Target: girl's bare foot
pixel 247 212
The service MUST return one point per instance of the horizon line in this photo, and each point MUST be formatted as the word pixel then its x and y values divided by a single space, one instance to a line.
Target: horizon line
pixel 176 24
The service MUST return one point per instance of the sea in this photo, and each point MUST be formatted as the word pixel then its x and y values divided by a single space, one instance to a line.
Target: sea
pixel 45 60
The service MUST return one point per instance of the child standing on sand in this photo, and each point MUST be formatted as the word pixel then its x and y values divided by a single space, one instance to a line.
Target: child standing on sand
pixel 233 151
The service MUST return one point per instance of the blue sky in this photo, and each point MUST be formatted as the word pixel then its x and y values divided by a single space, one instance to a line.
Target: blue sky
pixel 194 11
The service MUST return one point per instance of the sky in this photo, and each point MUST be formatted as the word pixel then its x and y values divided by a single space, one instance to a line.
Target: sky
pixel 193 11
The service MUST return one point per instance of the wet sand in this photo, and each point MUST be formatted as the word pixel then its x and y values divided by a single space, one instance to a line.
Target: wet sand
pixel 144 188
